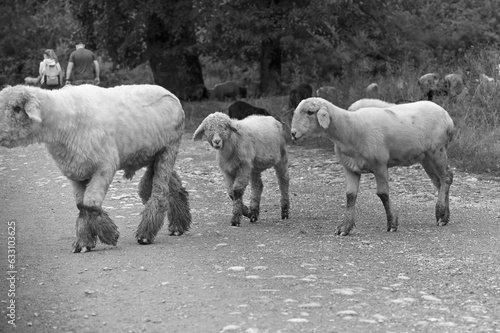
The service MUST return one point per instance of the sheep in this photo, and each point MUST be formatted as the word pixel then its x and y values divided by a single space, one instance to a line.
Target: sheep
pixel 327 92
pixel 245 148
pixel 453 84
pixel 372 89
pixel 196 92
pixel 371 140
pixel 369 102
pixel 239 110
pixel 91 132
pixel 431 85
pixel 227 90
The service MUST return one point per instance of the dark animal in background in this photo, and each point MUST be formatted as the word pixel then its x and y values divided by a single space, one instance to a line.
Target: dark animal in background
pixel 228 90
pixel 197 92
pixel 297 94
pixel 239 110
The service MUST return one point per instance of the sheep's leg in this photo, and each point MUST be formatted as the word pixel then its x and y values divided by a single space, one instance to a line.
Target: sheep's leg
pixel 153 215
pixel 257 187
pixel 284 184
pixel 179 214
pixel 229 183
pixel 382 179
pixel 146 184
pixel 239 186
pixel 92 221
pixel 436 167
pixel 352 182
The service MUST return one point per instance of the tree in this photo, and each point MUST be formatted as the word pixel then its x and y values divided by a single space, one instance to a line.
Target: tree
pixel 28 28
pixel 256 31
pixel 132 32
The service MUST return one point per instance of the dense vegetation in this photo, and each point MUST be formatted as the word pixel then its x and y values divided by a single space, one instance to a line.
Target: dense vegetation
pixel 270 45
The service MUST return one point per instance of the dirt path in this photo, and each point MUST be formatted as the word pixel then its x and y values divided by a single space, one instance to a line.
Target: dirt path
pixel 272 276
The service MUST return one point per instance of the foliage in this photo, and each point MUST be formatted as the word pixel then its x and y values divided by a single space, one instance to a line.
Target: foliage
pixel 28 28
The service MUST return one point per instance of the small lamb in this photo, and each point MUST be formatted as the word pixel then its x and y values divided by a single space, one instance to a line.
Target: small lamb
pixel 245 148
pixel 372 139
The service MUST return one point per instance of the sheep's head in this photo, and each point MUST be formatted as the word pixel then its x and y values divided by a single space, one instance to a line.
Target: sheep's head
pixel 216 128
pixel 19 116
pixel 310 118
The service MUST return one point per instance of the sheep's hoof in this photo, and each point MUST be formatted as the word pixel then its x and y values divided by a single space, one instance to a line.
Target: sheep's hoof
pixel 144 241
pixel 81 249
pixel 392 229
pixel 176 233
pixel 441 223
pixel 235 224
pixel 254 218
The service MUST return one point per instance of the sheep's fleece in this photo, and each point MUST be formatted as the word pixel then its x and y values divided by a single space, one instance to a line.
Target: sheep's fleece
pixel 92 132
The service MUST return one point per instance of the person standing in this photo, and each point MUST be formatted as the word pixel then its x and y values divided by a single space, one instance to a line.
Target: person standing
pixel 50 71
pixel 83 65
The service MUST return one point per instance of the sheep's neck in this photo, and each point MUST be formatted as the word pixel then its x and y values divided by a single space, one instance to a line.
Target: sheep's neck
pixel 342 130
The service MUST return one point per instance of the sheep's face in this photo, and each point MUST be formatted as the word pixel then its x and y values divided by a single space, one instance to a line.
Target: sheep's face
pixel 216 129
pixel 19 117
pixel 310 118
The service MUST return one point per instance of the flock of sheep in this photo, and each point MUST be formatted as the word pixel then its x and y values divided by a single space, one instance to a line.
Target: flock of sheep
pixel 92 132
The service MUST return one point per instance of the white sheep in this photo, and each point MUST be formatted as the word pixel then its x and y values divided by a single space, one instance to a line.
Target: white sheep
pixel 369 102
pixel 372 89
pixel 371 140
pixel 245 148
pixel 431 85
pixel 92 132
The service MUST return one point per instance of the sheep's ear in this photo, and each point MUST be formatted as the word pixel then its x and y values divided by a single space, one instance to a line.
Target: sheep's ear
pixel 233 129
pixel 32 108
pixel 200 131
pixel 323 117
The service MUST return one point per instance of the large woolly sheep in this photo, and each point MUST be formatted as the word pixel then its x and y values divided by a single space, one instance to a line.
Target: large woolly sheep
pixel 371 140
pixel 92 132
pixel 245 148
pixel 369 102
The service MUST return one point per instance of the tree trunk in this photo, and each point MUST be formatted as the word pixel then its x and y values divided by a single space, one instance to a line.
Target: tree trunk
pixel 175 71
pixel 270 67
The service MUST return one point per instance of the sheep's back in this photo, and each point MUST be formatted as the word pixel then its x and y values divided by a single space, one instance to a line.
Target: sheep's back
pixel 262 140
pixel 402 133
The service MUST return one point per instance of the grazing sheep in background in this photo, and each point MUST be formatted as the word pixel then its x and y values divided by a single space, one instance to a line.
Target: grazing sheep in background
pixel 92 132
pixel 297 94
pixel 327 92
pixel 369 102
pixel 245 148
pixel 371 140
pixel 198 92
pixel 239 110
pixel 431 85
pixel 31 81
pixel 372 90
pixel 228 90
pixel 453 85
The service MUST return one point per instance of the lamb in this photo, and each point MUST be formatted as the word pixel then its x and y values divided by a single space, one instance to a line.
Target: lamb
pixel 369 102
pixel 372 89
pixel 327 92
pixel 92 132
pixel 371 140
pixel 239 110
pixel 245 148
pixel 431 85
